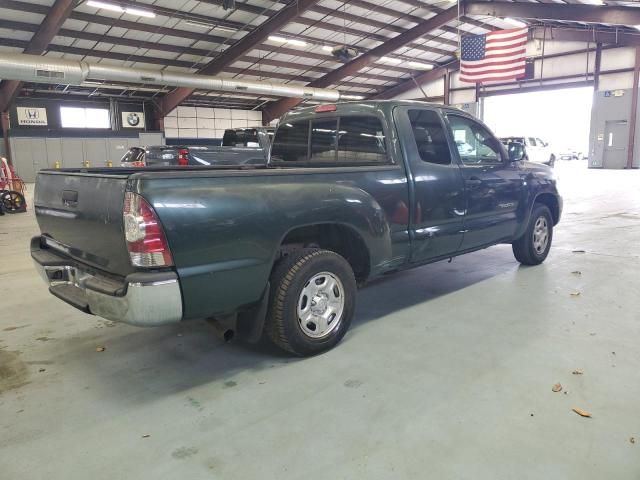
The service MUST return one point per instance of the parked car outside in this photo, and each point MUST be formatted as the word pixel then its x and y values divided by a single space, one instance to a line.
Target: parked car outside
pixel 536 149
pixel 352 191
pixel 571 154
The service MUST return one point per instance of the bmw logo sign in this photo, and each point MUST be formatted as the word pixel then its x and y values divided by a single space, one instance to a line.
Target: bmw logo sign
pixel 133 119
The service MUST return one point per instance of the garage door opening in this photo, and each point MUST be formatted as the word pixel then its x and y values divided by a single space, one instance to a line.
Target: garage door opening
pixel 560 117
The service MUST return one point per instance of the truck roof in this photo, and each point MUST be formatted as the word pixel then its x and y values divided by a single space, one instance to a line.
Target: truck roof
pixel 368 104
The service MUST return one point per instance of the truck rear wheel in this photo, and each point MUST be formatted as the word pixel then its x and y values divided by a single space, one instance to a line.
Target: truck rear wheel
pixel 533 246
pixel 312 301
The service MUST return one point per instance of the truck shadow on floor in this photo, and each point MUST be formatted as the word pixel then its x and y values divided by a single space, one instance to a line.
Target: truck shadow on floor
pixel 143 365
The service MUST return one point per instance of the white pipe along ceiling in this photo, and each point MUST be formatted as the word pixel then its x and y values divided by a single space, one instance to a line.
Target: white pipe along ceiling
pixel 39 69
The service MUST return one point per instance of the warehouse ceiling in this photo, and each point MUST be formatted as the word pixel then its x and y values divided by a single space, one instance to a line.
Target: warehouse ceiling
pixel 286 41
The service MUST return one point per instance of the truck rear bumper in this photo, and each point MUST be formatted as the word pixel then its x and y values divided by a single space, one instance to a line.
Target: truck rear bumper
pixel 141 299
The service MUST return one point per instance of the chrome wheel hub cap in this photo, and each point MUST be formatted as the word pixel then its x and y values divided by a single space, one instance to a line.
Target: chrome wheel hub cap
pixel 320 305
pixel 540 235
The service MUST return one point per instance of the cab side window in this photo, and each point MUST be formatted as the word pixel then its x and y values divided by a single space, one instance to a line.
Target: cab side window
pixel 361 140
pixel 532 142
pixel 476 145
pixel 430 138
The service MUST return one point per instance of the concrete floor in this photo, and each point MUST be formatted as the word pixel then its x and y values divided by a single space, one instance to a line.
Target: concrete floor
pixel 446 373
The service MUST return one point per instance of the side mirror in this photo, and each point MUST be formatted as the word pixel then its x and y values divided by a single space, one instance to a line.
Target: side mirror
pixel 516 151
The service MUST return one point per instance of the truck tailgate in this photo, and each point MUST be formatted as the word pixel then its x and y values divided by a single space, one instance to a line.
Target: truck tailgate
pixel 83 212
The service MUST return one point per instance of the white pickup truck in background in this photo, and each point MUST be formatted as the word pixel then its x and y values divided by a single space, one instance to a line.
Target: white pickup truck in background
pixel 536 149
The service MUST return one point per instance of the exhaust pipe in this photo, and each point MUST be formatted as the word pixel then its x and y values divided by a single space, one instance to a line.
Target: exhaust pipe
pixel 223 332
pixel 40 69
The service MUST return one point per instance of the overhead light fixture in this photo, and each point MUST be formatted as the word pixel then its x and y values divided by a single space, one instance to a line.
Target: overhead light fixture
pixel 291 41
pixel 327 48
pixel 394 61
pixel 105 6
pixel 222 28
pixel 351 97
pixel 420 65
pixel 297 43
pixel 514 22
pixel 139 13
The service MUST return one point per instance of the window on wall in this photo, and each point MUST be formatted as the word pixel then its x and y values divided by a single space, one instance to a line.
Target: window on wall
pixel 77 117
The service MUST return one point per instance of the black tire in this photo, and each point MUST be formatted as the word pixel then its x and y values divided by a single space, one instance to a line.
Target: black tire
pixel 293 274
pixel 13 202
pixel 525 248
pixel 552 161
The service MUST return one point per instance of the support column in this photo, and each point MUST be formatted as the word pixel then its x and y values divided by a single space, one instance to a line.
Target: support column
pixel 5 134
pixel 596 68
pixel 447 87
pixel 634 110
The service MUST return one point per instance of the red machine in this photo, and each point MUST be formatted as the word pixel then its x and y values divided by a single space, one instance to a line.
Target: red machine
pixel 12 189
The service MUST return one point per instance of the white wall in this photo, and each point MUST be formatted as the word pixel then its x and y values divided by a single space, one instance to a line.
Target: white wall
pixel 207 122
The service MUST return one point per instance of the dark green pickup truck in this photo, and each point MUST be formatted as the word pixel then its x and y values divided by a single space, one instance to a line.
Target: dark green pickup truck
pixel 351 191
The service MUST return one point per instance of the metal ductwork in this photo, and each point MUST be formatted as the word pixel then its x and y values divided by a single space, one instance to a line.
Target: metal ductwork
pixel 38 69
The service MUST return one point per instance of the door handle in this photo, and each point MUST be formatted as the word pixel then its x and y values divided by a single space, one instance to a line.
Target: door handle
pixel 473 182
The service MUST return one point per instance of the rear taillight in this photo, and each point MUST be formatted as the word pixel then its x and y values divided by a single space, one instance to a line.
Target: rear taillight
pixel 183 157
pixel 143 233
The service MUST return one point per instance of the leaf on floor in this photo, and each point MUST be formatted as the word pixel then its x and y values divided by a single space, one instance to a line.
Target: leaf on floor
pixel 581 412
pixel 576 272
pixel 632 440
pixel 578 372
pixel 575 294
pixel 146 435
pixel 556 388
pixel 100 349
pixel 579 251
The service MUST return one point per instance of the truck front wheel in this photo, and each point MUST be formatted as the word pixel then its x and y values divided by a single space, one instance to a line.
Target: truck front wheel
pixel 312 301
pixel 533 246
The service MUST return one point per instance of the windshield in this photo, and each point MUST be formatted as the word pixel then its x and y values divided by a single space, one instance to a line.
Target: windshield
pixel 135 154
pixel 240 137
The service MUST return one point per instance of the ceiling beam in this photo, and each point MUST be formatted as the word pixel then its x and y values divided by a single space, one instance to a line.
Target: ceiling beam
pixel 238 49
pixel 610 14
pixel 421 79
pixel 351 68
pixel 583 35
pixel 48 29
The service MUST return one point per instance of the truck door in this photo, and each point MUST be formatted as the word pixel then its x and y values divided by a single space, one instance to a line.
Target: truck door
pixel 436 187
pixel 493 185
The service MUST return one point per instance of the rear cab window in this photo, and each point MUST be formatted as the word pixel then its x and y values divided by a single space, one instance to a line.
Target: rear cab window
pixel 336 140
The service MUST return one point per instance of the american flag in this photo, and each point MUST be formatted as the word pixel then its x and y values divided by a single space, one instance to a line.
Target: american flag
pixel 495 56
